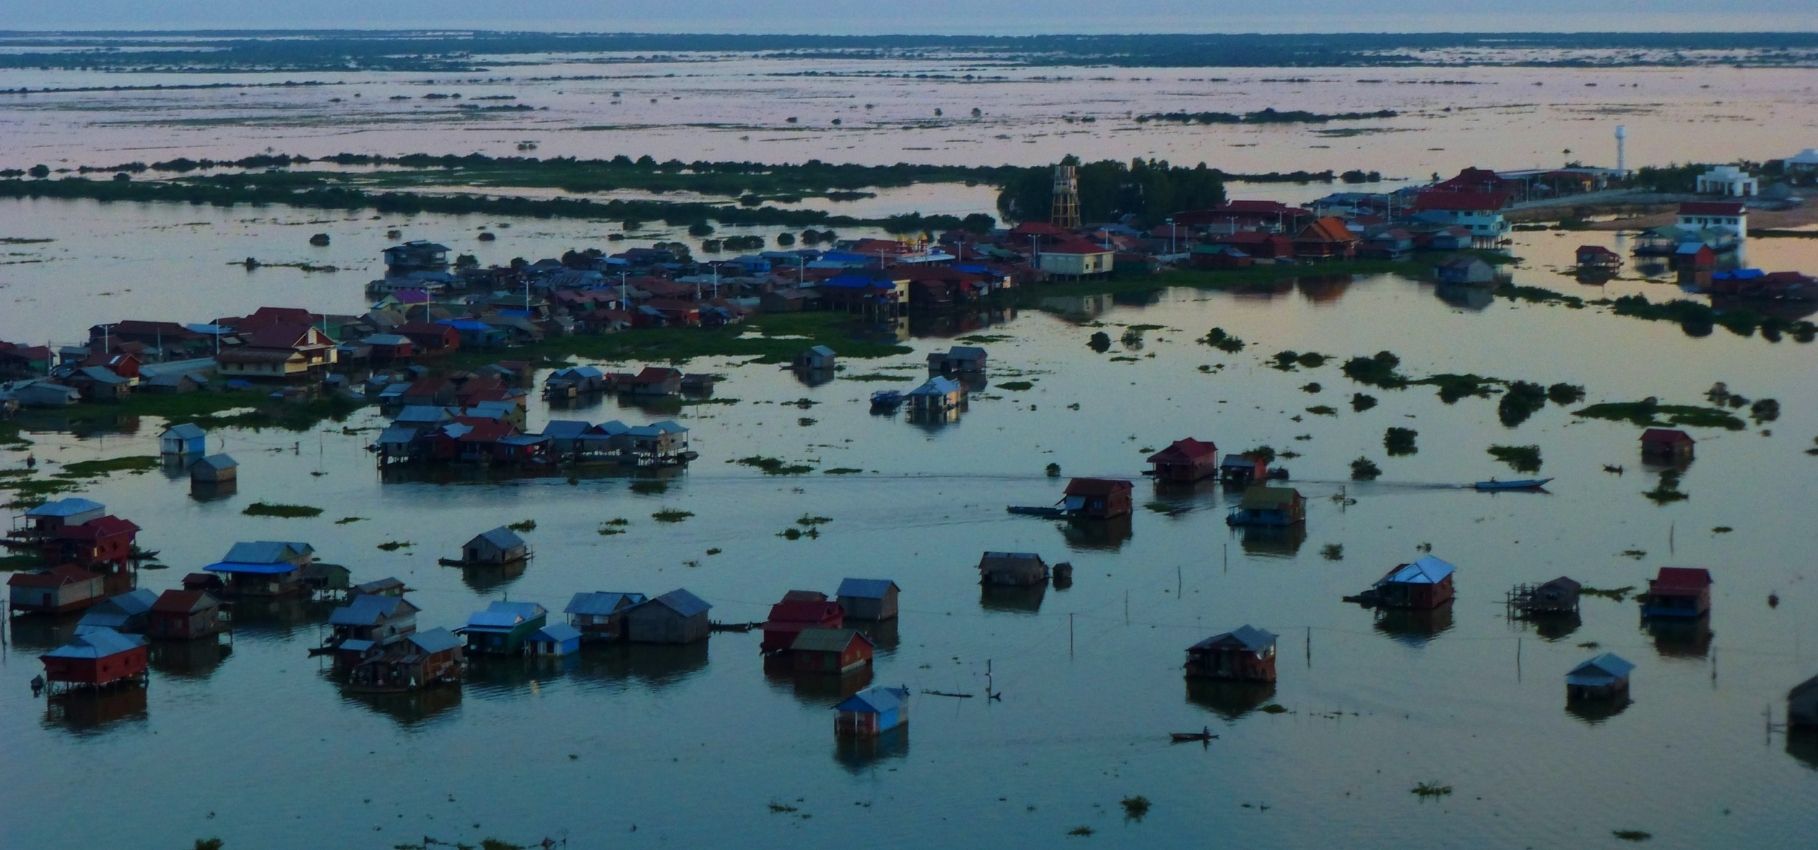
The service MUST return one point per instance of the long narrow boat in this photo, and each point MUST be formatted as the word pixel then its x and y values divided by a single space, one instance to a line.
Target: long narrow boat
pixel 1494 485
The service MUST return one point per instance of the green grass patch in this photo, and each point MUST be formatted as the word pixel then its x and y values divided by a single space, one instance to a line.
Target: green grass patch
pixel 1613 593
pixel 395 545
pixel 772 465
pixel 842 470
pixel 94 468
pixel 1431 789
pixel 1014 386
pixel 649 486
pixel 671 515
pixel 767 339
pixel 878 377
pixel 523 525
pixel 274 509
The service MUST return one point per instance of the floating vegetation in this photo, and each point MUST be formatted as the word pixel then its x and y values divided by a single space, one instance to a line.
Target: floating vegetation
pixel 877 376
pixel 842 470
pixel 279 510
pixel 349 520
pixel 1400 441
pixel 1310 387
pixel 1637 554
pixel 1014 386
pixel 1266 454
pixel 1563 394
pixel 1082 831
pixel 92 468
pixel 649 486
pixel 613 526
pixel 1333 551
pixel 1722 529
pixel 1377 370
pixel 394 545
pixel 1519 458
pixel 1158 506
pixel 1650 413
pixel 1135 807
pixel 1323 410
pixel 1431 789
pixel 1287 361
pixel 1361 402
pixel 671 515
pixel 1363 469
pixel 1100 342
pixel 1765 410
pixel 1219 339
pixel 1273 708
pixel 773 466
pixel 1522 400
pixel 1615 593
pixel 1053 470
pixel 782 808
pixel 523 525
pixel 1631 834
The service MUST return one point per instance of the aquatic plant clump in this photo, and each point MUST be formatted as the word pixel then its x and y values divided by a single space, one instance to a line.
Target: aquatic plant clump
pixel 1519 458
pixel 280 510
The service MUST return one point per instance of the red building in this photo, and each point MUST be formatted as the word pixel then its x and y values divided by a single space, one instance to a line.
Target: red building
pixel 1668 445
pixel 799 610
pixel 1325 239
pixel 95 659
pixel 185 615
pixel 1186 460
pixel 1097 498
pixel 430 340
pixel 1255 243
pixel 1678 592
pixel 1244 654
pixel 830 651
pixel 104 540
pixel 1273 216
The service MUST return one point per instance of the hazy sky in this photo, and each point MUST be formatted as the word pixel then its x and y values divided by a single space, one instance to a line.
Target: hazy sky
pixel 923 16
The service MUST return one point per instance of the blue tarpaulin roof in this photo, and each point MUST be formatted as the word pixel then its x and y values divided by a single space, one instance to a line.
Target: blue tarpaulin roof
pixel 1427 570
pixel 599 602
pixel 265 551
pixel 65 507
pixel 558 633
pixel 435 640
pixel 1251 637
pixel 682 602
pixel 96 643
pixel 1601 670
pixel 365 610
pixel 240 568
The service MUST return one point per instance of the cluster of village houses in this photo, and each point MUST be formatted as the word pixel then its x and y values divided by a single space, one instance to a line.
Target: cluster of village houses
pixel 429 308
pixel 374 643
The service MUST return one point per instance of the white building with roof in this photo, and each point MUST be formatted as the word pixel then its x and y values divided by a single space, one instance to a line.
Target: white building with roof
pixel 1728 181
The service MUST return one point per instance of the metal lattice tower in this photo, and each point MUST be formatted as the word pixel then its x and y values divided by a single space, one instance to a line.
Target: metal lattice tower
pixel 1065 212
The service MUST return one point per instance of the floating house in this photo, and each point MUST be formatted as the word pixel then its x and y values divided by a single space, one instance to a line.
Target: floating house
pixel 871 712
pixel 56 590
pixel 44 521
pixel 106 541
pixel 1596 259
pixel 387 586
pixel 675 617
pixel 186 615
pixel 1097 498
pixel 1424 583
pixel 1464 271
pixel 185 440
pixel 503 628
pixel 1242 470
pixel 1272 507
pixel 554 640
pixel 937 397
pixel 1559 596
pixel 1682 592
pixel 214 469
pixel 868 598
pixel 370 622
pixel 574 381
pixel 264 568
pixel 1667 445
pixel 600 615
pixel 422 659
pixel 1185 461
pixel 1012 569
pixel 830 651
pixel 493 548
pixel 799 609
pixel 126 613
pixel 1244 654
pixel 1802 705
pixel 958 360
pixel 658 442
pixel 96 659
pixel 655 381
pixel 1603 677
pixel 819 358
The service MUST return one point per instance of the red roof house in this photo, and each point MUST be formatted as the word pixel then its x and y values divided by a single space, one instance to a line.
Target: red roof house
pixel 1185 460
pixel 1666 444
pixel 1678 592
pixel 56 590
pixel 799 610
pixel 1325 239
pixel 1097 498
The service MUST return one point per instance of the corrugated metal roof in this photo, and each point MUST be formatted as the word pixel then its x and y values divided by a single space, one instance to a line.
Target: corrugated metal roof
pixel 875 700
pixel 220 461
pixel 355 645
pixel 435 640
pixel 866 588
pixel 682 602
pixel 558 632
pixel 1600 670
pixel 502 537
pixel 366 610
pixel 96 643
pixel 65 508
pixel 241 568
pixel 1251 637
pixel 825 640
pixel 937 386
pixel 130 603
pixel 266 551
pixel 505 615
pixel 1426 570
pixel 185 431
pixel 595 603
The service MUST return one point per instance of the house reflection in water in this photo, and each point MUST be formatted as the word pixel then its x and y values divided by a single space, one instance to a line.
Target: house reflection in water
pixel 1227 699
pixel 1323 289
pixel 91 710
pixel 859 755
pixel 651 665
pixel 1687 638
pixel 1014 600
pixel 189 659
pixel 1274 541
pixel 1078 306
pixel 817 690
pixel 408 708
pixel 1414 626
pixel 485 579
pixel 1595 711
pixel 1107 535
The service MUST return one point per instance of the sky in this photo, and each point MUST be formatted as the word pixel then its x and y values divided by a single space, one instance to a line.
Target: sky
pixel 1005 17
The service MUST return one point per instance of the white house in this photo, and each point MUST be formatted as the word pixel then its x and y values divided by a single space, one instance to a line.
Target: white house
pixel 1728 181
pixel 1728 216
pixel 1802 164
pixel 1075 258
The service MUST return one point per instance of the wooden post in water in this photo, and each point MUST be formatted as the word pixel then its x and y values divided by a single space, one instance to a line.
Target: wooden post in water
pixel 1126 607
pixel 1309 647
pixel 1069 634
pixel 1518 659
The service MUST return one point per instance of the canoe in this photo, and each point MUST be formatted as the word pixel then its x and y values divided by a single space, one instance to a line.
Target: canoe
pixel 1518 484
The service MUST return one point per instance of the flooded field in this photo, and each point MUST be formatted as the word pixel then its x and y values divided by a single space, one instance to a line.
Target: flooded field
pixel 655 746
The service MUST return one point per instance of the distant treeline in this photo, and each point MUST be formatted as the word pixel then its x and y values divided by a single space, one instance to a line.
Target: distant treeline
pixel 1264 116
pixel 468 50
pixel 1149 189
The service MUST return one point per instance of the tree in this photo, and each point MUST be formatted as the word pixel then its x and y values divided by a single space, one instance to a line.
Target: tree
pixel 40 171
pixel 978 223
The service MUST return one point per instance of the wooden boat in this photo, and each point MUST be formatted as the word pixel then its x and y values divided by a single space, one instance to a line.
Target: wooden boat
pixel 1027 510
pixel 1184 737
pixel 1493 485
pixel 886 400
pixel 463 562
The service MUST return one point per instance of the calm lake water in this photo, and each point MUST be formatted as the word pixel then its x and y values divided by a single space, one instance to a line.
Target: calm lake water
pixel 694 747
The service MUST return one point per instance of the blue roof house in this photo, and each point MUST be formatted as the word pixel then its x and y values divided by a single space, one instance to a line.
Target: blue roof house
pixel 126 612
pixel 1603 677
pixel 871 712
pixel 503 628
pixel 869 598
pixel 185 440
pixel 554 640
pixel 600 615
